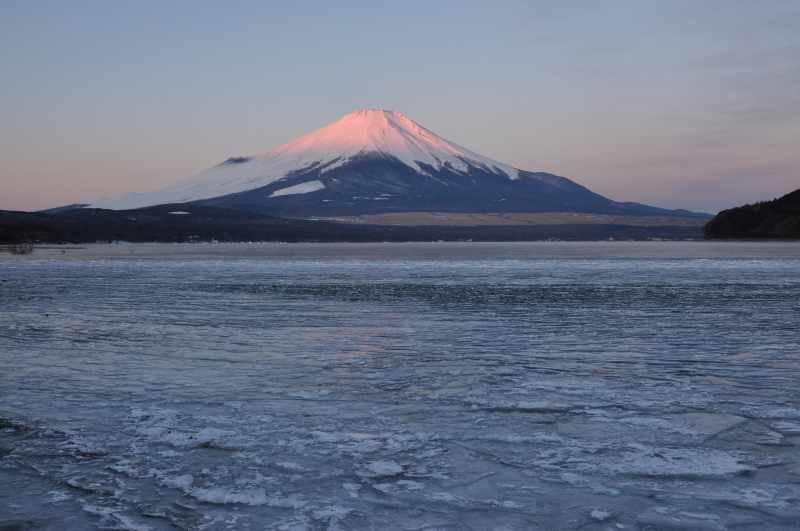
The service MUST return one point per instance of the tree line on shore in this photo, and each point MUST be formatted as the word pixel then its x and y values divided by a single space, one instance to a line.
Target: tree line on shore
pixel 778 219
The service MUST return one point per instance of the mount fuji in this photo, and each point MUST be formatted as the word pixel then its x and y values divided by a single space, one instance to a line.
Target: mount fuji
pixel 375 162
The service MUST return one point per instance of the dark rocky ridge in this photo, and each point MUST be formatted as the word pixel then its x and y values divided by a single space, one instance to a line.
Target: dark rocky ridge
pixel 778 219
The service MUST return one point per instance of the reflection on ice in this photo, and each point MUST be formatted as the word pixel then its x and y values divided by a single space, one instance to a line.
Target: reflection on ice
pixel 563 394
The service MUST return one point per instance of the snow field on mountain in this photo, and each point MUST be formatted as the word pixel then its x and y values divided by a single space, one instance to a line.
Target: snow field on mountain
pixel 303 188
pixel 359 133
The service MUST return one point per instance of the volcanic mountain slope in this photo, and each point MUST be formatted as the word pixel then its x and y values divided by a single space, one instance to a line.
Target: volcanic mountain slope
pixel 373 162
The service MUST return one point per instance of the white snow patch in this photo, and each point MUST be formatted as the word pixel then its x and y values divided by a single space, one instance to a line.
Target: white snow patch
pixel 127 523
pixel 291 466
pixel 576 480
pixel 687 462
pixel 183 483
pixel 386 488
pixel 57 496
pixel 352 489
pixel 381 469
pixel 774 412
pixel 221 495
pixel 304 188
pixel 290 502
pixel 511 438
pixel 508 504
pixel 170 453
pixel 109 514
pixel 787 428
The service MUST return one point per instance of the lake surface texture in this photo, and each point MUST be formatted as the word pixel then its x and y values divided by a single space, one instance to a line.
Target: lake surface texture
pixel 400 394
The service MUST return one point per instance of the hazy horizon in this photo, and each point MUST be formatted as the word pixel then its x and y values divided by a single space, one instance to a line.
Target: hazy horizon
pixel 683 105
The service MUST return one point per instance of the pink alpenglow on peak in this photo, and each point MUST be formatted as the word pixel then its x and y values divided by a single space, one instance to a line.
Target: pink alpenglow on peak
pixel 359 133
pixel 391 133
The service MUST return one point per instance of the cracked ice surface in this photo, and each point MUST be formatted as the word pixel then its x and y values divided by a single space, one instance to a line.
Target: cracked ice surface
pixel 540 394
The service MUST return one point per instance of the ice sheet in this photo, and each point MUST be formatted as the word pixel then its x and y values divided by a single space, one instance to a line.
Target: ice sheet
pixel 463 394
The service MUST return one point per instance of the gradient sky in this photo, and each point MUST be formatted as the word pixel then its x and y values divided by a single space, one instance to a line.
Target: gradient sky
pixel 674 104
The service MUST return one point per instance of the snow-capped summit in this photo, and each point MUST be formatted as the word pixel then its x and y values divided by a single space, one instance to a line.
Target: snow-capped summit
pixel 360 133
pixel 386 132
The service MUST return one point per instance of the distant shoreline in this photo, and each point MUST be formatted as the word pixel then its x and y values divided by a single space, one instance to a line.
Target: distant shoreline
pixel 212 224
pixel 415 251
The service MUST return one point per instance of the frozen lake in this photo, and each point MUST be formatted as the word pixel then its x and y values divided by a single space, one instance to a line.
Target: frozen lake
pixel 292 394
pixel 417 250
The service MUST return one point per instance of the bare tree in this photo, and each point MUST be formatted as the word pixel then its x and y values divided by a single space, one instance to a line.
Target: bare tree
pixel 21 248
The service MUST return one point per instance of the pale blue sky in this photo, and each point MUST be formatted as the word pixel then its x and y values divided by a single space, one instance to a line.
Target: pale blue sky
pixel 674 104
